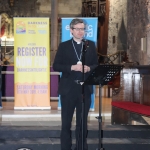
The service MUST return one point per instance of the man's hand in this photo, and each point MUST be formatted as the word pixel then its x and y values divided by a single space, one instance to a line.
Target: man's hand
pixel 86 69
pixel 78 67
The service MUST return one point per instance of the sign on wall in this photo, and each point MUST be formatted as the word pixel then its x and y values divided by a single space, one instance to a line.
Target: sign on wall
pixel 31 63
pixel 90 34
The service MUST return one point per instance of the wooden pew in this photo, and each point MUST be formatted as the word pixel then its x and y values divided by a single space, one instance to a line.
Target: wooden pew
pixel 133 100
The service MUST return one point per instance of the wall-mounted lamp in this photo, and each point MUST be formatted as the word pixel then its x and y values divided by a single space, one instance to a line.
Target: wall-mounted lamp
pixel 144 44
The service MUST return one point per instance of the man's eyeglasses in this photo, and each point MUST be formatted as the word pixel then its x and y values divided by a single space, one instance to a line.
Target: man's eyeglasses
pixel 79 29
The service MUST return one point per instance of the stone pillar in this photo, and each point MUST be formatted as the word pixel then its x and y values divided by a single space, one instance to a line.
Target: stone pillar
pixel 54 30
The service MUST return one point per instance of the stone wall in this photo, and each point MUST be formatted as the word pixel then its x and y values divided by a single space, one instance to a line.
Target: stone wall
pixel 117 30
pixel 129 21
pixel 65 8
pixel 138 27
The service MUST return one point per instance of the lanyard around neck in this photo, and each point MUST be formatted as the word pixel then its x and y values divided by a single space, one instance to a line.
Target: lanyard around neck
pixel 78 57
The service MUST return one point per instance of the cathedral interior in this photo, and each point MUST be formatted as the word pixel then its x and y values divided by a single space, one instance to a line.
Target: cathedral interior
pixel 122 39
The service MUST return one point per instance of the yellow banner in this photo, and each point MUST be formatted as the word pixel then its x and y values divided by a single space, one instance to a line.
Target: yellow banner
pixel 32 63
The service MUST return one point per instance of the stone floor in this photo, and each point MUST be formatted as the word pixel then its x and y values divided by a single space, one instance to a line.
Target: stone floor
pixel 11 117
pixel 22 123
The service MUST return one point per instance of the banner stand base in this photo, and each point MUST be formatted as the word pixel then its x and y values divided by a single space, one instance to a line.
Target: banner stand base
pixel 32 108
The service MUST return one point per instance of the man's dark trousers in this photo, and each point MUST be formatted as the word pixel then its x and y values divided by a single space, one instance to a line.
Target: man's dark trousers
pixel 68 104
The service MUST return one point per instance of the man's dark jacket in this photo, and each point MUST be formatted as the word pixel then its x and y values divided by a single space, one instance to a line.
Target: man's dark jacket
pixel 63 62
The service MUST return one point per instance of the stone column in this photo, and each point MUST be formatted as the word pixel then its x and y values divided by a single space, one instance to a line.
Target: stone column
pixel 54 29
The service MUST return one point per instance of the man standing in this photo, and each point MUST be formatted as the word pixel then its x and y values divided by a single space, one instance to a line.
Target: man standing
pixel 68 60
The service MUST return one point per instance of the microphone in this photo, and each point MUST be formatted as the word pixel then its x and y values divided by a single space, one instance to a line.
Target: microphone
pixel 85 43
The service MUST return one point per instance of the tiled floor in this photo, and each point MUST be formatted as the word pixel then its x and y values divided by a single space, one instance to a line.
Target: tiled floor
pixel 9 116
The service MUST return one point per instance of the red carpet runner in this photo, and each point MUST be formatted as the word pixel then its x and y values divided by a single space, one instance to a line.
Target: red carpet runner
pixel 133 107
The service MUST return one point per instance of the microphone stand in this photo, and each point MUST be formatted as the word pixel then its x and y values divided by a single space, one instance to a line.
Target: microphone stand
pixel 85 46
pixel 0 73
pixel 83 94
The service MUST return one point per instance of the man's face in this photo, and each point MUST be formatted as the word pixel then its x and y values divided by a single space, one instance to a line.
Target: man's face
pixel 78 31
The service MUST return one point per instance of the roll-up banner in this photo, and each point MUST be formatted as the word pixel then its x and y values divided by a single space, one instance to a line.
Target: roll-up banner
pixel 31 63
pixel 90 34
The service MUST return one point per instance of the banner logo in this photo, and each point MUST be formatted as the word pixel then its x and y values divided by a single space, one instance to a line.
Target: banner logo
pixel 20 27
pixel 42 31
pixel 88 31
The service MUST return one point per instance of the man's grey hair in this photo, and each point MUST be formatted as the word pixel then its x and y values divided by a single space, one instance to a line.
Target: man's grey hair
pixel 76 21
